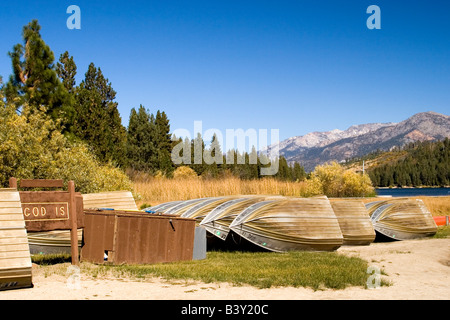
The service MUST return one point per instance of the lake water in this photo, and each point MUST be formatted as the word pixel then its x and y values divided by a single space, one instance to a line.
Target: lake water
pixel 412 192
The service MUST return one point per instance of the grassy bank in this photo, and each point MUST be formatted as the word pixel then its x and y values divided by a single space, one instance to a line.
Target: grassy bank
pixel 315 270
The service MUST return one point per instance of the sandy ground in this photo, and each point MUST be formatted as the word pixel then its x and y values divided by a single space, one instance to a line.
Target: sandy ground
pixel 416 269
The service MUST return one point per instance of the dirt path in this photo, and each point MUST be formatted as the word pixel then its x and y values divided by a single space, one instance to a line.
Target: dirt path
pixel 418 269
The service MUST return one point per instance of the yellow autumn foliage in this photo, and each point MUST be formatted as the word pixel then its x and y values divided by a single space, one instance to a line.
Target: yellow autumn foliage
pixel 184 172
pixel 334 181
pixel 32 147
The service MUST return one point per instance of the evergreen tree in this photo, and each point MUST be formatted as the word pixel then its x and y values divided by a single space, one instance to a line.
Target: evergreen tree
pixel 67 70
pixel 163 141
pixel 98 121
pixel 34 80
pixel 284 171
pixel 254 164
pixel 213 157
pixel 298 172
pixel 141 148
pixel 197 151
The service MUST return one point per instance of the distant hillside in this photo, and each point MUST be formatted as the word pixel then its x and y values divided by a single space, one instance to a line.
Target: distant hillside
pixel 359 140
pixel 417 164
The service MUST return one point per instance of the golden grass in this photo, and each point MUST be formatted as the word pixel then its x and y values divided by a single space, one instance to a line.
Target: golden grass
pixel 153 191
pixel 438 206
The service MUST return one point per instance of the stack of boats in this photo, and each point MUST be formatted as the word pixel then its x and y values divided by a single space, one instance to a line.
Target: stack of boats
pixel 281 224
pixel 278 223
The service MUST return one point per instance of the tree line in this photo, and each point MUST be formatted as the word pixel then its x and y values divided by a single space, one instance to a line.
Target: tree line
pixel 242 164
pixel 425 164
pixel 88 112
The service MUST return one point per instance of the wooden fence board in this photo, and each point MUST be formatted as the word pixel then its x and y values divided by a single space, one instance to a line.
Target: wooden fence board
pixel 15 258
pixel 118 200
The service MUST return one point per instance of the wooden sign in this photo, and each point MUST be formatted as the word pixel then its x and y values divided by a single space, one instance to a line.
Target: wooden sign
pixel 52 210
pixel 57 211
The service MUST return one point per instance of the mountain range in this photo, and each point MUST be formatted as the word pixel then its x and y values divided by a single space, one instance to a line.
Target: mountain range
pixel 317 148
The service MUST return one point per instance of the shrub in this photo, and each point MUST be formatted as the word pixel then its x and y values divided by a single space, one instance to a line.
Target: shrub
pixel 184 172
pixel 334 181
pixel 33 147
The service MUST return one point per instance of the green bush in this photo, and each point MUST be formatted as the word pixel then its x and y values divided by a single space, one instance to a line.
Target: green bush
pixel 33 147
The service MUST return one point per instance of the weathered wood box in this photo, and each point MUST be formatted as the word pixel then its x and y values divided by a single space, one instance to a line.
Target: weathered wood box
pixel 126 237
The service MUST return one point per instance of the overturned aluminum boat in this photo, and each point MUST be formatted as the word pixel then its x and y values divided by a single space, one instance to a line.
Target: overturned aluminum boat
pixel 402 219
pixel 184 206
pixel 162 207
pixel 218 221
pixel 291 224
pixel 52 242
pixel 354 221
pixel 201 209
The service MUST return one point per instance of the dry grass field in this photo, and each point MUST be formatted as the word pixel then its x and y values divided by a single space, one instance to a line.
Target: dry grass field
pixel 438 206
pixel 152 191
pixel 158 190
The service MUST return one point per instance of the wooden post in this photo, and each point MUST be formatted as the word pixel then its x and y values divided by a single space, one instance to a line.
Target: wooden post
pixel 73 227
pixel 13 183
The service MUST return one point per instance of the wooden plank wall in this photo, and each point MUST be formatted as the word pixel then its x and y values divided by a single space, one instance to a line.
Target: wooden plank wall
pixel 15 258
pixel 136 238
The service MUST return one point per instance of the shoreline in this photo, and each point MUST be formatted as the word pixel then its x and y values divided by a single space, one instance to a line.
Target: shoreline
pixel 408 187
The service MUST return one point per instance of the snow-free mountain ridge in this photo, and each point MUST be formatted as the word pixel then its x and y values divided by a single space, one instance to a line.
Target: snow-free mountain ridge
pixel 317 148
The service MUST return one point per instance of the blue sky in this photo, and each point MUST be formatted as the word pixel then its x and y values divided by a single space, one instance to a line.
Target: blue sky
pixel 297 66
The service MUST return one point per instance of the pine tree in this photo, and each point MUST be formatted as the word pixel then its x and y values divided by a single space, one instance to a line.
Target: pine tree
pixel 213 157
pixel 67 70
pixel 34 80
pixel 254 164
pixel 298 172
pixel 163 143
pixel 141 148
pixel 284 172
pixel 197 151
pixel 98 121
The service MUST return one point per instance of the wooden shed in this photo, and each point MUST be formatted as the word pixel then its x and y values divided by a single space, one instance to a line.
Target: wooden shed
pixel 136 238
pixel 15 258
